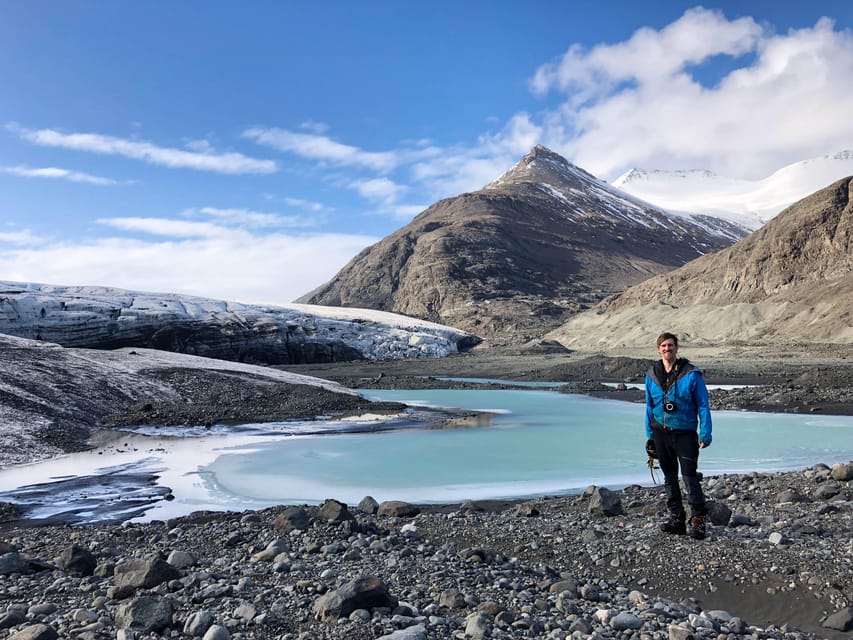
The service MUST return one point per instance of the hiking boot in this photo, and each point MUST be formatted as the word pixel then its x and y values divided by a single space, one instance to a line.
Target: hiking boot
pixel 674 525
pixel 697 527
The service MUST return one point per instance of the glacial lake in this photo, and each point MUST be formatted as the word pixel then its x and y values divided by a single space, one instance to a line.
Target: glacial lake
pixel 538 442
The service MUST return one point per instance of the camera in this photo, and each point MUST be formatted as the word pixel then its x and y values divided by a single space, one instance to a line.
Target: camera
pixel 669 407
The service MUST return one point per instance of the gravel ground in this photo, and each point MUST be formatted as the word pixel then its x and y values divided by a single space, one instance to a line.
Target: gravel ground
pixel 776 564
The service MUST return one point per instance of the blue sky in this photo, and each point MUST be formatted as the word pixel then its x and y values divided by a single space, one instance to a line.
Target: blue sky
pixel 248 151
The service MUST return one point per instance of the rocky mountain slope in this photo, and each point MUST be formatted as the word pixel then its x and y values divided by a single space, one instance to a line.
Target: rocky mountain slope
pixel 748 202
pixel 521 255
pixel 108 318
pixel 790 281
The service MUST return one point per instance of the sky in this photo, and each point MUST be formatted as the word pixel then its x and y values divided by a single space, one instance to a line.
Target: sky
pixel 247 151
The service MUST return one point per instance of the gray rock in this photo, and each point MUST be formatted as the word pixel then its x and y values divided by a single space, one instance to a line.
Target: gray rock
pixel 182 559
pixel 145 614
pixel 718 513
pixel 827 491
pixel 13 617
pixel 624 620
pixel 77 561
pixel 368 505
pixel 840 620
pixel 245 612
pixel 42 609
pixel 842 471
pixel 198 622
pixel 292 518
pixel 788 495
pixel 740 520
pixel 452 599
pixel 366 592
pixel 581 625
pixel 417 632
pixel 397 509
pixel 334 511
pixel 36 632
pixel 144 573
pixel 565 586
pixel 526 510
pixel 217 632
pixel 676 632
pixel 477 625
pixel 13 562
pixel 719 615
pixel 604 502
pixel 778 539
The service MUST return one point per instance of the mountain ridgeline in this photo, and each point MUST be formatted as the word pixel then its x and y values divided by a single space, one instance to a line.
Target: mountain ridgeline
pixel 523 254
pixel 790 282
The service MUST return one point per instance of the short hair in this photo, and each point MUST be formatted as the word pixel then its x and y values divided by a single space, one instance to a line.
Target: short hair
pixel 667 336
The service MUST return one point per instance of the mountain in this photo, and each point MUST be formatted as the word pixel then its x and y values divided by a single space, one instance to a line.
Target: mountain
pixel 108 318
pixel 790 281
pixel 747 202
pixel 524 253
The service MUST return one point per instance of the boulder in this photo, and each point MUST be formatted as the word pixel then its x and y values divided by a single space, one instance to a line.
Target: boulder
pixel 36 632
pixel 718 513
pixel 13 562
pixel 840 620
pixel 365 592
pixel 78 561
pixel 145 614
pixel 292 518
pixel 397 509
pixel 368 505
pixel 604 502
pixel 334 511
pixel 842 471
pixel 144 573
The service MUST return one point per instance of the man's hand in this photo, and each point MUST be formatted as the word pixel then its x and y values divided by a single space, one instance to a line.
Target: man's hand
pixel 702 445
pixel 650 448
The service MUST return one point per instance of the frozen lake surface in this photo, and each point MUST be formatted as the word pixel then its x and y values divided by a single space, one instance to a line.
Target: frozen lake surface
pixel 538 442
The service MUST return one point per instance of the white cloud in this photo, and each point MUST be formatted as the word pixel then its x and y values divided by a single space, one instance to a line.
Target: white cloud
pixel 307 205
pixel 228 163
pixel 56 173
pixel 252 219
pixel 642 102
pixel 380 190
pixel 649 56
pixel 323 148
pixel 167 227
pixel 315 127
pixel 21 237
pixel 270 269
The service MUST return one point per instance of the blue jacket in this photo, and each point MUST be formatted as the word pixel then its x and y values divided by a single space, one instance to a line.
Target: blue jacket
pixel 690 397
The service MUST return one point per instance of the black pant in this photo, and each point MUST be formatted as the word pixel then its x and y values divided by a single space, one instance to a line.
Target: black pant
pixel 677 447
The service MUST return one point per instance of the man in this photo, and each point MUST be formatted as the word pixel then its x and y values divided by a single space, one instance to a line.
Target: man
pixel 676 405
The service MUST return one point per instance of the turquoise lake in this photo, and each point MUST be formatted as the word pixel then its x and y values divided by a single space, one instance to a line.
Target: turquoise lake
pixel 539 442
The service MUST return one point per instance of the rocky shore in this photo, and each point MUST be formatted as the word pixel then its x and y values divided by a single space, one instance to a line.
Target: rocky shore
pixel 776 564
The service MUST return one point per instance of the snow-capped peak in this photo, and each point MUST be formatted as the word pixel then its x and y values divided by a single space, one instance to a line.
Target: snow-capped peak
pixel 747 202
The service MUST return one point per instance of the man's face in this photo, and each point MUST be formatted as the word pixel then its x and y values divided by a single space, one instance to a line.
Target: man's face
pixel 668 349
